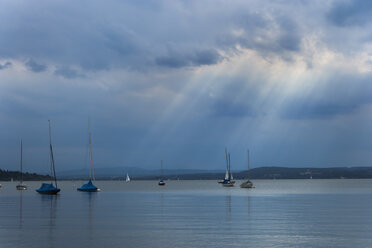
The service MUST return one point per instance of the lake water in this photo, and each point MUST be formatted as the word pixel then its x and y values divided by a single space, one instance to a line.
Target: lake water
pixel 277 213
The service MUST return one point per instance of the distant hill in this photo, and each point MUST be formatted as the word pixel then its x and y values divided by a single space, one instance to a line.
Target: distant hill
pixel 16 176
pixel 281 173
pixel 118 173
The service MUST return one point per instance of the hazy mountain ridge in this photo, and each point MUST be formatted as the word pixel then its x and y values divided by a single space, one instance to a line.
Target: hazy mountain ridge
pixel 6 175
pixel 194 174
pixel 134 172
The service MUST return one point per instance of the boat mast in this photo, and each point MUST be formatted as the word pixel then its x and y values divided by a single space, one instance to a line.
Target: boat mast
pixel 248 164
pixel 51 155
pixel 161 166
pixel 91 168
pixel 229 168
pixel 21 165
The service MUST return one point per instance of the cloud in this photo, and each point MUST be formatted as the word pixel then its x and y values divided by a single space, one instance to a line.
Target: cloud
pixel 301 109
pixel 5 65
pixel 131 36
pixel 34 66
pixel 231 109
pixel 342 95
pixel 168 78
pixel 68 72
pixel 350 13
pixel 196 58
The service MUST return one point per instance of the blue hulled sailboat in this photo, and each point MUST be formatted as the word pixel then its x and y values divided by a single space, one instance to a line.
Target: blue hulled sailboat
pixel 90 187
pixel 49 188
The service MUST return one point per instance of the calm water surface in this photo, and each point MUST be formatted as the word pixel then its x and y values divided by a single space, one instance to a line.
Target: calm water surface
pixel 278 213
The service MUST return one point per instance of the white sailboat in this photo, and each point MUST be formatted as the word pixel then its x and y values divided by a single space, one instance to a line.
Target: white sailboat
pixel 247 184
pixel 161 181
pixel 127 179
pixel 228 181
pixel 21 186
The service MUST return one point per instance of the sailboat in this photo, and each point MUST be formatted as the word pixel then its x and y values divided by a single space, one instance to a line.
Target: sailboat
pixel 247 184
pixel 49 188
pixel 127 179
pixel 161 181
pixel 90 187
pixel 228 181
pixel 21 186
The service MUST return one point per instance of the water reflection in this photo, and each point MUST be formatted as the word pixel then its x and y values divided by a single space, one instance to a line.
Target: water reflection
pixel 49 205
pixel 249 205
pixel 20 209
pixel 228 208
pixel 91 206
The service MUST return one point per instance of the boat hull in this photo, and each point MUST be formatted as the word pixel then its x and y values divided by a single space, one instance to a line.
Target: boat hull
pixel 48 189
pixel 161 183
pixel 50 192
pixel 228 183
pixel 21 187
pixel 88 190
pixel 88 187
pixel 247 185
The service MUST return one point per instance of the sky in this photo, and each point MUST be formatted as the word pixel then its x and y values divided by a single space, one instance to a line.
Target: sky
pixel 179 81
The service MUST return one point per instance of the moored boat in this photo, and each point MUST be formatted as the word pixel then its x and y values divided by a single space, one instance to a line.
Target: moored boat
pixel 21 186
pixel 161 181
pixel 49 188
pixel 90 187
pixel 228 181
pixel 247 184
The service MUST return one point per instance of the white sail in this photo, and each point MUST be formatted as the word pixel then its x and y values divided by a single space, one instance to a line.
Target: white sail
pixel 127 179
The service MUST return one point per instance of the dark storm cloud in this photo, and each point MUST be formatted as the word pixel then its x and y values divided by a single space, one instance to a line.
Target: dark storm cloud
pixel 268 35
pixel 131 35
pixel 34 66
pixel 5 65
pixel 197 58
pixel 350 13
